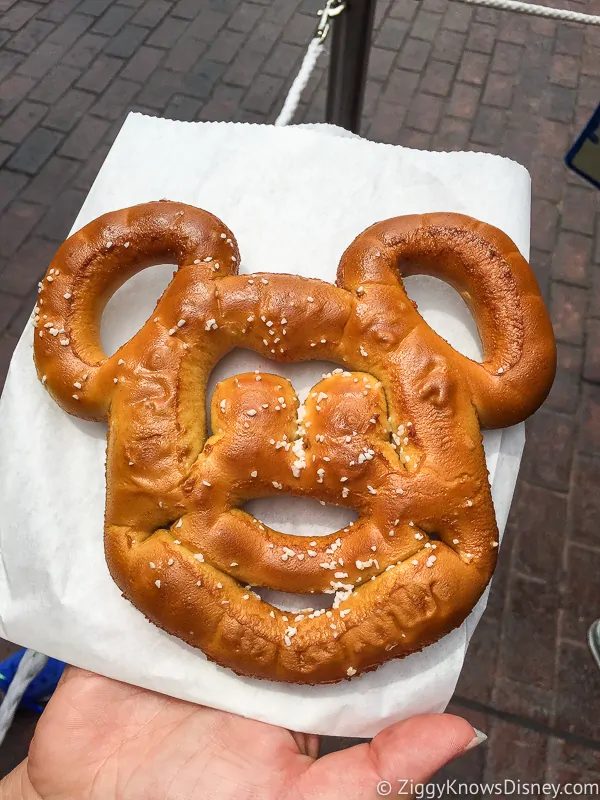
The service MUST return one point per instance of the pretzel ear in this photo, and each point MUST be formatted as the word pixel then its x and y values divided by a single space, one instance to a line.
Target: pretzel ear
pixel 497 284
pixel 89 268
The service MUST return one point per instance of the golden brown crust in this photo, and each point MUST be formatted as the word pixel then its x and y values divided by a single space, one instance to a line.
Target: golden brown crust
pixel 395 435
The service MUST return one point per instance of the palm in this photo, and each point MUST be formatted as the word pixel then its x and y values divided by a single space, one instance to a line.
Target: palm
pixel 123 742
pixel 103 740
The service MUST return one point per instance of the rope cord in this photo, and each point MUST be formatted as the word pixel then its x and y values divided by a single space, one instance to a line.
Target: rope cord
pixel 29 668
pixel 537 11
pixel 316 45
pixel 315 48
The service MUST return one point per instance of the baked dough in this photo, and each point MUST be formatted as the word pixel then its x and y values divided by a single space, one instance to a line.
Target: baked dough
pixel 394 433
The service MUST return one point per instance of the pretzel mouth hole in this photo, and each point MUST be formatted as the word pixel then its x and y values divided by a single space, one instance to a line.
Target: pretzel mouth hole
pixel 287 601
pixel 306 517
pixel 301 516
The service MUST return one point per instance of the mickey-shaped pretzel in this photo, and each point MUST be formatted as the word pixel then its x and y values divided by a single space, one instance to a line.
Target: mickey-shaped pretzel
pixel 394 435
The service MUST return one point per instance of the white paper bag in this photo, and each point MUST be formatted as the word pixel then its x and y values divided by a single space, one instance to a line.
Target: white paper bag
pixel 295 198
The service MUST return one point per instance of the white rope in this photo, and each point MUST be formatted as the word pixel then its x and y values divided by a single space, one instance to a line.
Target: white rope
pixel 294 95
pixel 594 640
pixel 537 11
pixel 315 47
pixel 29 668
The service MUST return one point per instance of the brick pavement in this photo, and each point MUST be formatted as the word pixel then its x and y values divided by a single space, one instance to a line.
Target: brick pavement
pixel 442 76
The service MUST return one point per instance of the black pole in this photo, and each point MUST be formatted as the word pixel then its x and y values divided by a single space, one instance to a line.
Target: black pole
pixel 350 45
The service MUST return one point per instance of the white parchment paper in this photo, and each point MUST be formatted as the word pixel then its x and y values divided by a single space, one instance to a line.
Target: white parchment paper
pixel 295 198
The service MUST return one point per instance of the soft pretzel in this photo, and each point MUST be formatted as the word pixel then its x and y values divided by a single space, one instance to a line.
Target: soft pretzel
pixel 394 433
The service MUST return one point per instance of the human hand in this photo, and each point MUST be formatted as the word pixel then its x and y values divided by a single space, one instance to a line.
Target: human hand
pixel 99 739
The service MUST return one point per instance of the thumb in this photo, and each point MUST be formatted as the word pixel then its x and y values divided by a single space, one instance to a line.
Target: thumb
pixel 407 752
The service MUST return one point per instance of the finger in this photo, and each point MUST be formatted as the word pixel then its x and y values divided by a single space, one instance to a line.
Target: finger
pixel 313 743
pixel 307 743
pixel 410 751
pixel 419 747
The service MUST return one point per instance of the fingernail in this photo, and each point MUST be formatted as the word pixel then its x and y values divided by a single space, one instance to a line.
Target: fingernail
pixel 478 739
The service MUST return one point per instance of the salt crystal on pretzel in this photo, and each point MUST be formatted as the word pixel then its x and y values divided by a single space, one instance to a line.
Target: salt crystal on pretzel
pixel 408 442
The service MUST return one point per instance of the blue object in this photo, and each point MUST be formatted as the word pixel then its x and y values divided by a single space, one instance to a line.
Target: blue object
pixel 41 687
pixel 584 157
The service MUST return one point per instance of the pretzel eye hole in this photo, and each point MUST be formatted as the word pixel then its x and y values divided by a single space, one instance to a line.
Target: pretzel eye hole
pixel 303 375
